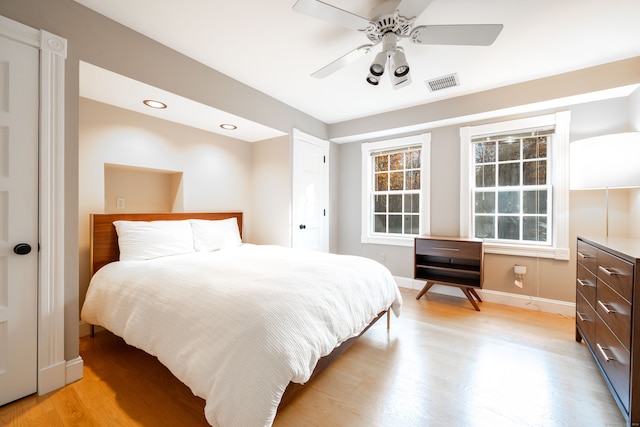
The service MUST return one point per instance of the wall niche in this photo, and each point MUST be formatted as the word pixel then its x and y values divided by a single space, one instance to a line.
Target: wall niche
pixel 129 189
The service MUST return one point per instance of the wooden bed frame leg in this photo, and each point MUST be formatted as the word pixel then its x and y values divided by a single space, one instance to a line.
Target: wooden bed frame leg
pixel 388 319
pixel 93 331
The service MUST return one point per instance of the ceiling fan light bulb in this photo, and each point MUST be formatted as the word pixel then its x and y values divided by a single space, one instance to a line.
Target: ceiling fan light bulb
pixel 399 64
pixel 376 69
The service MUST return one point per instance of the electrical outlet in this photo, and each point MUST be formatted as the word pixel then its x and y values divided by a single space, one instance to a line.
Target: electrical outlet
pixel 120 203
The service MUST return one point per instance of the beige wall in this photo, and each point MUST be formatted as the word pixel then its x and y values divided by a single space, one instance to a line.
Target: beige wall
pixel 271 191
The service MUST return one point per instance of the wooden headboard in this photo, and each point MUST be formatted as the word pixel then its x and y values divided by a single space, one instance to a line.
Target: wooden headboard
pixel 104 239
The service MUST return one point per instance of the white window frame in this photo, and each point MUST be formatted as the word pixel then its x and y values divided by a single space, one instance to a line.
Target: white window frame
pixel 559 168
pixel 367 236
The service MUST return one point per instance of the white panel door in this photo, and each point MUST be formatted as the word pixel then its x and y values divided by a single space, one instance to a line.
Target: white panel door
pixel 19 82
pixel 310 199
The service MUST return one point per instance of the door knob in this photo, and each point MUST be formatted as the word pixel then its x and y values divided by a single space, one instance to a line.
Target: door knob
pixel 302 226
pixel 22 248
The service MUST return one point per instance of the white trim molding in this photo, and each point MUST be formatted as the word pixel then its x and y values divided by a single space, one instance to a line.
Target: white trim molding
pixel 53 370
pixel 53 52
pixel 505 298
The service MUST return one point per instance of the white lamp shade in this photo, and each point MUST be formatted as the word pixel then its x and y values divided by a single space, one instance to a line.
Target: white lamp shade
pixel 608 161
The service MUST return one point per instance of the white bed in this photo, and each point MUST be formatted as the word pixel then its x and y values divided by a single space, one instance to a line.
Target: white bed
pixel 241 323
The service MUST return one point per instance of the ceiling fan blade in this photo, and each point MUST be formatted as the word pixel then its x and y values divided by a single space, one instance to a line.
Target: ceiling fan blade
pixel 472 35
pixel 327 12
pixel 413 8
pixel 343 61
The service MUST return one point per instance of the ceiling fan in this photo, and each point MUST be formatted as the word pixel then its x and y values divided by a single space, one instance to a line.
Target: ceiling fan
pixel 392 21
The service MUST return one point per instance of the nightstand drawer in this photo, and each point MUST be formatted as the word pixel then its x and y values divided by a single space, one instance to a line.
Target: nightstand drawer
pixel 615 311
pixel 448 248
pixel 586 284
pixel 587 256
pixel 585 318
pixel 616 273
pixel 615 360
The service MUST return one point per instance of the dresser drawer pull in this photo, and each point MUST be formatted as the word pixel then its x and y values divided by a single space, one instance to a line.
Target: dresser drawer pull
pixel 584 256
pixel 607 271
pixel 583 283
pixel 581 317
pixel 447 249
pixel 604 354
pixel 605 307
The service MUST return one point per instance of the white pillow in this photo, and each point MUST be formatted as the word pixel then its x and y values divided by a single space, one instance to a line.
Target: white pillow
pixel 140 240
pixel 211 235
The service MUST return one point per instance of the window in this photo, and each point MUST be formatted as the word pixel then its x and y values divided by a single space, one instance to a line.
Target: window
pixel 394 190
pixel 514 180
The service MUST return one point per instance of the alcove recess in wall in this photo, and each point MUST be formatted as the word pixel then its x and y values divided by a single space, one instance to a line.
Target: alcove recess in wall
pixel 136 189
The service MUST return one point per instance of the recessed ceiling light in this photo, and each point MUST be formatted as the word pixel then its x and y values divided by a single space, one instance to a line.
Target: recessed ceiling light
pixel 228 126
pixel 154 104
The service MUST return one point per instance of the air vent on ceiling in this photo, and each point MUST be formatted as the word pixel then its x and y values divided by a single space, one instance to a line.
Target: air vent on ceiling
pixel 442 82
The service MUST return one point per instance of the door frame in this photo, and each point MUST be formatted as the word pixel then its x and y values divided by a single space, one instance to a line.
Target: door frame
pixel 53 370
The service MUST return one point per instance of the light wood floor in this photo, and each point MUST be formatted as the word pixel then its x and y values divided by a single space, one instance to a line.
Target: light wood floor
pixel 441 364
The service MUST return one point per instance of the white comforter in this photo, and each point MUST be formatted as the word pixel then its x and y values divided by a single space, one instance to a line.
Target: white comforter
pixel 237 325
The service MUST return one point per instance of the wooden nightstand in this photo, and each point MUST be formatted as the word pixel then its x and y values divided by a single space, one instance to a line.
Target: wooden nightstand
pixel 451 261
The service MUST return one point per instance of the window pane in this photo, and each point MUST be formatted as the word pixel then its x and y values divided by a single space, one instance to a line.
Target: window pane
pixel 485 152
pixel 535 173
pixel 413 180
pixel 534 202
pixel 411 224
pixel 509 227
pixel 508 174
pixel 382 181
pixel 380 203
pixel 509 202
pixel 485 202
pixel 381 163
pixel 396 161
pixel 396 181
pixel 508 150
pixel 380 223
pixel 412 203
pixel 413 159
pixel 485 227
pixel 486 176
pixel 395 203
pixel 395 224
pixel 534 148
pixel 535 228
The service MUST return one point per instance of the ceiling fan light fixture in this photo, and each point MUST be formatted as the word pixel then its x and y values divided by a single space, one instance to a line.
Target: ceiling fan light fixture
pixel 378 64
pixel 373 80
pixel 399 64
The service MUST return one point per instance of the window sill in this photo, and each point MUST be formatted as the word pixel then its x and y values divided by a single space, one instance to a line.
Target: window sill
pixel 530 251
pixel 391 241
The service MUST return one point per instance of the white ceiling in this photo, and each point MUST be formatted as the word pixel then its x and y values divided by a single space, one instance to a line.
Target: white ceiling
pixel 268 46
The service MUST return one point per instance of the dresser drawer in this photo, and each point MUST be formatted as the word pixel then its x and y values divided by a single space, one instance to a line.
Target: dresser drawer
pixel 615 360
pixel 448 248
pixel 616 313
pixel 617 273
pixel 586 284
pixel 585 318
pixel 587 256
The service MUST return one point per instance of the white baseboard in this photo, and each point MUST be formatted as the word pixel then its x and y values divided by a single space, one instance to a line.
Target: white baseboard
pixel 515 300
pixel 51 378
pixel 74 370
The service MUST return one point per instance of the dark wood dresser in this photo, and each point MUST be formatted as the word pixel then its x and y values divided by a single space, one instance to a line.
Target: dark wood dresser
pixel 451 261
pixel 607 315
